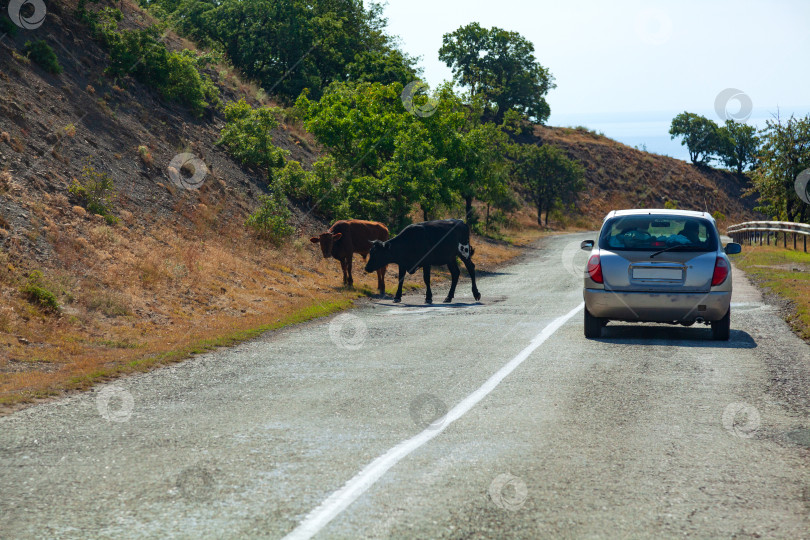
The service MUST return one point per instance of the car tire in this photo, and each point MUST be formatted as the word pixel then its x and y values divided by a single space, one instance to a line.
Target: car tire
pixel 721 330
pixel 593 326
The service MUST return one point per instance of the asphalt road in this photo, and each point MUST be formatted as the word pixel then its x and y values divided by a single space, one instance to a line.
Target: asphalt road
pixel 495 419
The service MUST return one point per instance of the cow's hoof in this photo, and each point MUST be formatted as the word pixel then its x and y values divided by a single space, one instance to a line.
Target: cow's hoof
pixel 477 296
pixel 428 300
pixel 397 300
pixel 448 300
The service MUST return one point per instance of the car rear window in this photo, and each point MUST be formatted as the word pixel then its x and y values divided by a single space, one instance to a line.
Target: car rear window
pixel 650 233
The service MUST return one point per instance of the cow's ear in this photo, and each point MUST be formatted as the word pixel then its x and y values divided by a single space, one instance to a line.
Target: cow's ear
pixel 337 236
pixel 314 239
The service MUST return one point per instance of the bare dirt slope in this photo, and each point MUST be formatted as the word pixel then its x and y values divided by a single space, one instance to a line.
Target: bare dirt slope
pixel 619 176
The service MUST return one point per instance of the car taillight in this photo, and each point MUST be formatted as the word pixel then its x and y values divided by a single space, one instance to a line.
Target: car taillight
pixel 720 271
pixel 595 269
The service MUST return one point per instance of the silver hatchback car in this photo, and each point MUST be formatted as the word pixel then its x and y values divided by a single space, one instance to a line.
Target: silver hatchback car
pixel 665 266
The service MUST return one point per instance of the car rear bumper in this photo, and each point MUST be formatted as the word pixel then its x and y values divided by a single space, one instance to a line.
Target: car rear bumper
pixel 657 307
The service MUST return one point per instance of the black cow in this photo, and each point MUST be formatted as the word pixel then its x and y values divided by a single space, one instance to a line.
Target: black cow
pixel 422 245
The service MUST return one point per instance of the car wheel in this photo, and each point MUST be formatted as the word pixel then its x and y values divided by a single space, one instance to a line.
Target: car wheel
pixel 593 326
pixel 722 329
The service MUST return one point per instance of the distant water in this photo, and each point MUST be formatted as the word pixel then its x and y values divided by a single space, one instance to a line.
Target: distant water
pixel 650 131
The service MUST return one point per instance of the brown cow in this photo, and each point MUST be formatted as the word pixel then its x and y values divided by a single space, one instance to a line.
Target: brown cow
pixel 345 238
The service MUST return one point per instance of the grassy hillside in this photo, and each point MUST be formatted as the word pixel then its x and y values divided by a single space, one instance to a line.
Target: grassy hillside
pixel 174 271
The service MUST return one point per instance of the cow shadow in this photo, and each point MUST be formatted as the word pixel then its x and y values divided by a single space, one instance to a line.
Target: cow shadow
pixel 487 273
pixel 389 302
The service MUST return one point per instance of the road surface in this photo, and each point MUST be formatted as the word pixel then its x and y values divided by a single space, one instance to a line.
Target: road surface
pixel 495 419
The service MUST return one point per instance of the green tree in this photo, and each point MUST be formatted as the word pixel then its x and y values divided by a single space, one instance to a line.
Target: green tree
pixel 549 177
pixel 481 165
pixel 738 145
pixel 248 136
pixel 784 154
pixel 700 136
pixel 290 45
pixel 499 66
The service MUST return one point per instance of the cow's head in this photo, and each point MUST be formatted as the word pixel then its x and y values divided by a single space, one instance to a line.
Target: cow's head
pixel 326 240
pixel 379 256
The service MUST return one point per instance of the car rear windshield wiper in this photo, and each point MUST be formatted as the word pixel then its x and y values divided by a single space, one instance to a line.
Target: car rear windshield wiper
pixel 672 248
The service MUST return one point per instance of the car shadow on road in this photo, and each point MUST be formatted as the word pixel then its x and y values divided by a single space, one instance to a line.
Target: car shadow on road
pixel 676 336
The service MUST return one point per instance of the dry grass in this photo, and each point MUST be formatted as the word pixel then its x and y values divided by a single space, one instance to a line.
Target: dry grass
pixel 784 273
pixel 133 299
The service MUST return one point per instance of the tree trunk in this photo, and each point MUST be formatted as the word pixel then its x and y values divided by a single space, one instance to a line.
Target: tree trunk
pixel 540 212
pixel 425 215
pixel 468 207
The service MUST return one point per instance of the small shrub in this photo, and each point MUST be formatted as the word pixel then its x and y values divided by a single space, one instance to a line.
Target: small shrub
pixel 42 55
pixel 70 130
pixel 96 191
pixel 6 26
pixel 718 215
pixel 90 90
pixel 270 220
pixel 37 294
pixel 248 136
pixel 17 145
pixel 671 205
pixel 5 181
pixel 291 179
pixel 146 155
pixel 110 304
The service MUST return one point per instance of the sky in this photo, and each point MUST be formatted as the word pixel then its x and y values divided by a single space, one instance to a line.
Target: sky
pixel 626 67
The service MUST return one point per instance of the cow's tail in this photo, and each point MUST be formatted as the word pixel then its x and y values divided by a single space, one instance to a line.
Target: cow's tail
pixel 466 251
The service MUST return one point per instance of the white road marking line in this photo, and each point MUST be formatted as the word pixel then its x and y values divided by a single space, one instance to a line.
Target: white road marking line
pixel 351 491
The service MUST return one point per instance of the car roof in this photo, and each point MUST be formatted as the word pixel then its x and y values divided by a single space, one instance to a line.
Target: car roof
pixel 658 212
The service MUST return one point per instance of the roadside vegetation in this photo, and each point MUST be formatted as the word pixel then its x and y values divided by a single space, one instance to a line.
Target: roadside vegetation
pixel 783 273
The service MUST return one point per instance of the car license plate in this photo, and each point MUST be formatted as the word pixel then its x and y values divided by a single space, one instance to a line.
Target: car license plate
pixel 668 274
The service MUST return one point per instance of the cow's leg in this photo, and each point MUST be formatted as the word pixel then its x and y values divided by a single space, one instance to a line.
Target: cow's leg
pixel 381 280
pixel 471 270
pixel 402 274
pixel 343 267
pixel 350 279
pixel 454 273
pixel 426 275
